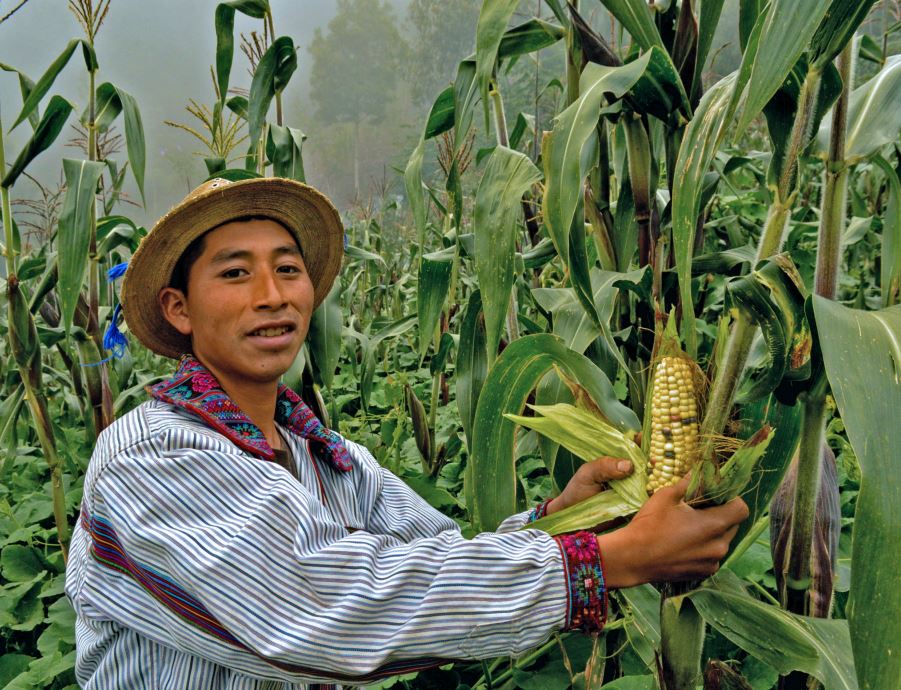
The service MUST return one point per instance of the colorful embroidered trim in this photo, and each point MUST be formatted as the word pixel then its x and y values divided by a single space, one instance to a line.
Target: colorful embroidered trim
pixel 539 511
pixel 585 576
pixel 195 389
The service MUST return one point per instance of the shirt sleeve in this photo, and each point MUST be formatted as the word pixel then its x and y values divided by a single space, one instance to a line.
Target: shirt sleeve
pixel 226 557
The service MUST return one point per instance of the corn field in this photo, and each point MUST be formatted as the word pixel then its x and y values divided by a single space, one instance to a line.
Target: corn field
pixel 648 260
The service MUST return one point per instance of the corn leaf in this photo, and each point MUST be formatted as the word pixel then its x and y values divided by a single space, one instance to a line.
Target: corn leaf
pixel 636 16
pixel 441 116
pixel 270 77
pixel 496 219
pixel 26 86
pixel 48 129
pixel 75 230
pixel 862 357
pixel 590 437
pixel 891 236
pixel 284 147
pixel 413 188
pixel 786 28
pixel 708 19
pixel 528 37
pixel 225 36
pixel 872 114
pixel 471 365
pixel 433 284
pixel 586 515
pixel 836 29
pixel 516 372
pixel 815 646
pixel 494 17
pixel 324 337
pixel 40 89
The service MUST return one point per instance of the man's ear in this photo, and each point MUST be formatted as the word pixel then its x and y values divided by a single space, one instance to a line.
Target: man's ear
pixel 174 306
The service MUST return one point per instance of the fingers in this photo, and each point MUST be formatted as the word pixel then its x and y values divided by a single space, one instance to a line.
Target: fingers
pixel 672 494
pixel 604 469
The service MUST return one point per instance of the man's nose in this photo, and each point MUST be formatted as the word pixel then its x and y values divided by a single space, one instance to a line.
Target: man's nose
pixel 267 292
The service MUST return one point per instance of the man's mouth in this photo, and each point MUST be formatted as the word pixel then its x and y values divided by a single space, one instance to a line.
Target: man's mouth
pixel 272 332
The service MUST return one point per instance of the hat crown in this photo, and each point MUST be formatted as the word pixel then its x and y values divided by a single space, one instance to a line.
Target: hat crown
pixel 215 183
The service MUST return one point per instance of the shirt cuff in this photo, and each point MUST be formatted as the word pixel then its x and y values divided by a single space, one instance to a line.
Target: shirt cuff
pixel 539 511
pixel 584 571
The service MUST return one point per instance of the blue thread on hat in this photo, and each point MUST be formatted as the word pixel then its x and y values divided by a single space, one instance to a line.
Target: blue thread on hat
pixel 116 271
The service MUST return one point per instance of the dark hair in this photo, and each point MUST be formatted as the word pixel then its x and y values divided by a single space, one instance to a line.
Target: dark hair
pixel 182 269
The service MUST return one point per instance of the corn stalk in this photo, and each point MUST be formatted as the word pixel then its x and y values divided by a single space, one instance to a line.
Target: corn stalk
pixel 26 350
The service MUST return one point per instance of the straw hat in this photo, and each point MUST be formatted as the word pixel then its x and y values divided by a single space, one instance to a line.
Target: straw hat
pixel 304 211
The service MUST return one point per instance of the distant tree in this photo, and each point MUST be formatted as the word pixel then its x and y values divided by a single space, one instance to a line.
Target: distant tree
pixel 355 67
pixel 442 34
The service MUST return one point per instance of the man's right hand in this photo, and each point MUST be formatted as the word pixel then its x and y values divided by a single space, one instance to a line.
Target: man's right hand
pixel 668 540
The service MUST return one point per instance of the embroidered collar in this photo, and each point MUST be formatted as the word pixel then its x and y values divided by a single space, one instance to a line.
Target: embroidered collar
pixel 196 390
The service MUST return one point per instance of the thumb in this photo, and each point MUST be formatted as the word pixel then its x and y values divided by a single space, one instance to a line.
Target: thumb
pixel 675 493
pixel 605 468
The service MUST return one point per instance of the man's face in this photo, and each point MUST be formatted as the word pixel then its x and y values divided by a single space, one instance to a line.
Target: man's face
pixel 248 303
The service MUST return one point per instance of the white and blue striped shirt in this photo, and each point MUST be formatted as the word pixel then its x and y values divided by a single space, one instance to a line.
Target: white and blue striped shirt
pixel 198 565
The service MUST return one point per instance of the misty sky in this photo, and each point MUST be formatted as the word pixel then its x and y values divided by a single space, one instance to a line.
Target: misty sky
pixel 157 50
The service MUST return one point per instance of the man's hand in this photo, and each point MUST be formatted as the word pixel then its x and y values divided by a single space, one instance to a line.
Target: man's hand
pixel 668 540
pixel 588 480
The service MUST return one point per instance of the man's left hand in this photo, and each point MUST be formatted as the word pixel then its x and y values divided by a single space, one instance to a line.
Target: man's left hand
pixel 589 480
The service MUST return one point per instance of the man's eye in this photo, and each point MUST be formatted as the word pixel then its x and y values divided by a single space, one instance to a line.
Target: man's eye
pixel 233 273
pixel 288 268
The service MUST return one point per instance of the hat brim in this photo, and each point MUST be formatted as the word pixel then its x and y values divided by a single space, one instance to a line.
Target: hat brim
pixel 303 210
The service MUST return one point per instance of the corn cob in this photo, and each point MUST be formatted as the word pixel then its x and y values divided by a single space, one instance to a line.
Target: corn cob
pixel 673 448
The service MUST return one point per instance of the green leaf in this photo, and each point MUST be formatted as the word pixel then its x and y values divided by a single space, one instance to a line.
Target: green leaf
pixel 26 86
pixel 270 77
pixel 890 277
pixel 786 28
pixel 701 141
pixel 568 151
pixel 529 37
pixel 370 346
pixel 818 647
pixel 862 357
pixel 11 665
pixel 708 19
pixel 494 17
pixel 20 563
pixel 45 82
pixel 496 219
pixel 225 36
pixel 433 284
pixel 413 187
pixel 134 137
pixel 465 93
pixel 872 114
pixel 635 16
pixel 353 252
pixel 324 337
pixel 601 508
pixel 642 626
pixel 471 365
pixel 516 372
pixel 837 28
pixel 284 148
pixel 441 116
pixel 75 230
pixel 49 127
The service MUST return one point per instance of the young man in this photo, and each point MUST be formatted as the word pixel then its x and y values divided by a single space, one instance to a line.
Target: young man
pixel 228 540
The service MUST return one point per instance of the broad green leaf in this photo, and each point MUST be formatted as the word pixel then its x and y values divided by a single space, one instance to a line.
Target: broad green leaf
pixel 472 364
pixel 413 187
pixel 701 141
pixel 748 13
pixel 441 116
pixel 529 37
pixel 816 646
pixel 872 114
pixel 225 36
pixel 837 28
pixel 20 563
pixel 516 372
pixel 496 220
pixel 862 357
pixel 636 16
pixel 465 94
pixel 26 86
pixel 708 19
pixel 493 20
pixel 569 151
pixel 270 77
pixel 433 284
pixel 75 229
pixel 284 148
pixel 48 129
pixel 46 81
pixel 642 611
pixel 11 665
pixel 890 278
pixel 370 347
pixel 786 28
pixel 324 338
pixel 134 137
pixel 352 252
pixel 9 411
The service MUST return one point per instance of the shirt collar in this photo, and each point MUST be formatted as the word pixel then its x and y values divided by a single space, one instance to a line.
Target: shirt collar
pixel 195 389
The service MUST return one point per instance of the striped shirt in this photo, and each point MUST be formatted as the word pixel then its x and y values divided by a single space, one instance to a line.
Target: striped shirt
pixel 199 564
